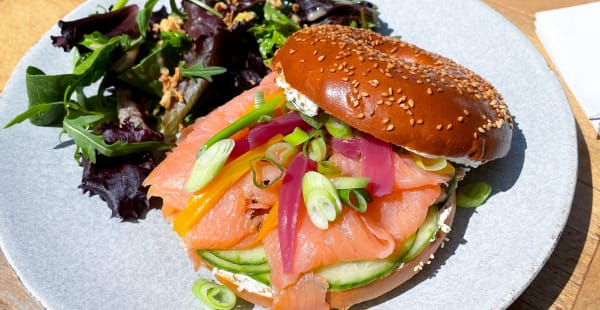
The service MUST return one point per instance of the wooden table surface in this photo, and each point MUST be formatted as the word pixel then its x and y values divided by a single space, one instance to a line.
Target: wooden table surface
pixel 569 280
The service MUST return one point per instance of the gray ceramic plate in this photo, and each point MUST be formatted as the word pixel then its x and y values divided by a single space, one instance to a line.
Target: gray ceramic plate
pixel 71 255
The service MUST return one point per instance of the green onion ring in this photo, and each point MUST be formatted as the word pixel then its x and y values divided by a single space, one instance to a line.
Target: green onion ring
pixel 349 182
pixel 208 164
pixel 328 167
pixel 338 129
pixel 255 174
pixel 214 295
pixel 296 137
pixel 321 199
pixel 355 198
pixel 472 195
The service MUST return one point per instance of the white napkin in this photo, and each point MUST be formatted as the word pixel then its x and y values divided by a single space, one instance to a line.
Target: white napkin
pixel 571 37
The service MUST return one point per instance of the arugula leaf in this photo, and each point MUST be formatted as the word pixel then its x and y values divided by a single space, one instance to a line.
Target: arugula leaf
pixel 199 70
pixel 88 143
pixel 144 15
pixel 35 110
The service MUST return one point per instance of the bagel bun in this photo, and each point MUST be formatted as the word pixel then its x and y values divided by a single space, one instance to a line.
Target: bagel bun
pixel 397 92
pixel 346 298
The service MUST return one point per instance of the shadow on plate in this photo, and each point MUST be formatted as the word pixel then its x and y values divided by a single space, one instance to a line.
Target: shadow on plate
pixel 547 286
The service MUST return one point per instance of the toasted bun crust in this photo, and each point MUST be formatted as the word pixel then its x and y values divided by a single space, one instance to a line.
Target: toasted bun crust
pixel 397 92
pixel 347 298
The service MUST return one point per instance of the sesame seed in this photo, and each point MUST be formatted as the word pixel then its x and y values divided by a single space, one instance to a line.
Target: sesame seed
pixel 386 120
pixel 355 103
pixel 439 127
pixel 475 135
pixel 481 129
pixel 419 82
pixel 315 52
pixel 291 51
pixel 364 94
pixel 449 127
pixel 420 121
pixel 390 127
pixel 321 58
pixel 412 122
pixel 461 118
pixel 429 91
pixel 345 79
pixel 321 70
pixel 466 112
pixel 411 103
pixel 390 91
pixel 360 116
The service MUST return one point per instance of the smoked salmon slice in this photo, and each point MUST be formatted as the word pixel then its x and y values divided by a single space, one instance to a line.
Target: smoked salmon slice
pixel 168 179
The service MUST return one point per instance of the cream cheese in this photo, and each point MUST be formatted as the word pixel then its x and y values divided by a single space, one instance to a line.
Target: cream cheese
pixel 299 100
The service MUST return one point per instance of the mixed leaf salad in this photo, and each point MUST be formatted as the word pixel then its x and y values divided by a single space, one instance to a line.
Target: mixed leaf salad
pixel 141 73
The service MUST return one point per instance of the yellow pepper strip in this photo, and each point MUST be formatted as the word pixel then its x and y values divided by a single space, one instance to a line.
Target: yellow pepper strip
pixel 436 165
pixel 206 198
pixel 269 223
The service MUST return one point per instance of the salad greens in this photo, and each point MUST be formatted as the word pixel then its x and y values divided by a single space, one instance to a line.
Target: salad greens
pixel 140 73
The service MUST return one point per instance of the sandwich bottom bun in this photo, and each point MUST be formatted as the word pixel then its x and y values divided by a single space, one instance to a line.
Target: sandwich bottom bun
pixel 346 298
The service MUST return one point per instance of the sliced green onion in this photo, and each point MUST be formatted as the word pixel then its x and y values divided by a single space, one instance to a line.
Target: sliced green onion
pixel 316 121
pixel 355 198
pixel 472 195
pixel 208 164
pixel 321 199
pixel 328 167
pixel 282 153
pixel 338 129
pixel 349 182
pixel 215 296
pixel 317 149
pixel 257 178
pixel 259 99
pixel 297 137
pixel 249 119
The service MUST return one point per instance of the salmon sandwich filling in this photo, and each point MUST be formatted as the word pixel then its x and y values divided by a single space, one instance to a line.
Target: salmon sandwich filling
pixel 295 204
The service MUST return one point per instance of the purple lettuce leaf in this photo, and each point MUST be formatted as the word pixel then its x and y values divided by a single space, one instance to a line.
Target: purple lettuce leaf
pixel 110 24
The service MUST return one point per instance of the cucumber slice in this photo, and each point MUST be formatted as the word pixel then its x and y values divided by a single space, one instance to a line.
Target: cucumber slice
pixel 255 256
pixel 349 275
pixel 264 278
pixel 425 234
pixel 406 246
pixel 233 267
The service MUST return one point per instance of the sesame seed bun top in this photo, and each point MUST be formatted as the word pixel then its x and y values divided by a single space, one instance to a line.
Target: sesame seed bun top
pixel 397 92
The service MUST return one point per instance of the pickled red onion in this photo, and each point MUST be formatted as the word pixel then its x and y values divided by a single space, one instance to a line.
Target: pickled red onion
pixel 290 196
pixel 376 164
pixel 283 124
pixel 348 147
